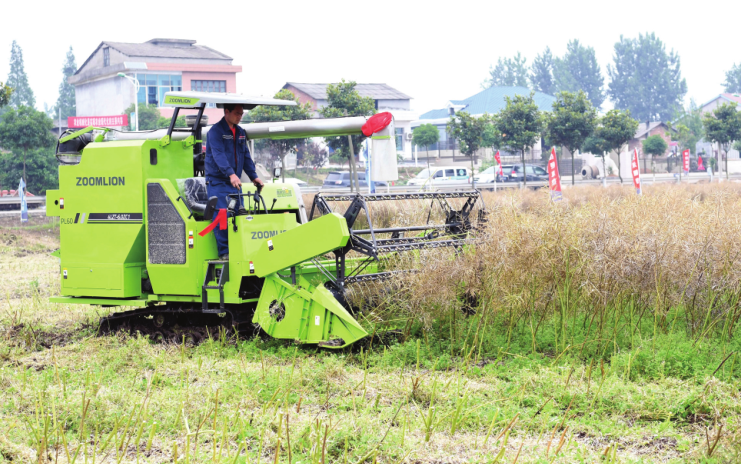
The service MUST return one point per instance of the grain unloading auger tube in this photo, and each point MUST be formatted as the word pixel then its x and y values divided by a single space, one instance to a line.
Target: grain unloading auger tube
pixel 142 240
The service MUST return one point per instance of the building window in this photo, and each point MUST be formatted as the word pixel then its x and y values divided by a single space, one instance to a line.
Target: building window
pixel 208 86
pixel 106 57
pixel 154 86
pixel 400 139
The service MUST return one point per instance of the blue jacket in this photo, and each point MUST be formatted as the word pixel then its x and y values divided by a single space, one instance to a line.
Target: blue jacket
pixel 221 159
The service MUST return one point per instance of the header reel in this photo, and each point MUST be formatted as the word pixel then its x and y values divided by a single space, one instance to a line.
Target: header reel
pixel 405 225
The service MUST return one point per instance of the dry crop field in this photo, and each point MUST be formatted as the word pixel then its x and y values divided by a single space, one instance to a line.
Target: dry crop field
pixel 601 329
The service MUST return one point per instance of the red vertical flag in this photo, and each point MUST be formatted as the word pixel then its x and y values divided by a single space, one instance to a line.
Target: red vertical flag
pixel 636 171
pixel 554 179
pixel 499 162
pixel 686 161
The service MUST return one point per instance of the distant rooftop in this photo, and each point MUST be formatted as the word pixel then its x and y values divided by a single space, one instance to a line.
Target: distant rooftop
pixel 491 100
pixel 375 91
pixel 162 48
pixel 644 129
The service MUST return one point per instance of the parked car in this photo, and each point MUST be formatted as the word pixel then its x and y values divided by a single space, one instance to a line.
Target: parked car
pixel 491 174
pixel 341 179
pixel 443 175
pixel 513 173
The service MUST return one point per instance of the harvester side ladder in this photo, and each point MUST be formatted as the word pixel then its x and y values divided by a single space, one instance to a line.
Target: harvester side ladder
pixel 210 275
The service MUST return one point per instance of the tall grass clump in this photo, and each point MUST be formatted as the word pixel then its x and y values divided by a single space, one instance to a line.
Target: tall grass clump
pixel 602 270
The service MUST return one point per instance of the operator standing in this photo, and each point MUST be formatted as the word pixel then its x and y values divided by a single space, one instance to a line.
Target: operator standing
pixel 227 154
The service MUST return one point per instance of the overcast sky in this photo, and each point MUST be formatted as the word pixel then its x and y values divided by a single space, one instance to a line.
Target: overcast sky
pixel 432 51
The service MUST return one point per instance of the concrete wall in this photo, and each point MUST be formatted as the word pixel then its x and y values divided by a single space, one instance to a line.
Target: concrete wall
pixel 104 97
pixel 394 104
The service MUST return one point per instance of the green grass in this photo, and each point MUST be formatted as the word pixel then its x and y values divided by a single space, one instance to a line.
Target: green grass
pixel 575 384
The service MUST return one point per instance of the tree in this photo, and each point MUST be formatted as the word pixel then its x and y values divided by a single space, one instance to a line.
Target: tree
pixel 520 124
pixel 541 73
pixel 723 126
pixel 66 101
pixel 468 130
pixel 688 127
pixel 572 121
pixel 732 83
pixel 27 132
pixel 426 135
pixel 508 72
pixel 265 113
pixel 343 100
pixel 18 81
pixel 5 93
pixel 654 145
pixel 151 119
pixel 579 70
pixel 314 154
pixel 617 128
pixel 598 147
pixel 645 79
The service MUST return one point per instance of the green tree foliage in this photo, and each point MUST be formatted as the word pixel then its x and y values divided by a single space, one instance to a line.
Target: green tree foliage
pixel 5 93
pixel 151 119
pixel 469 131
pixel 655 145
pixel 645 79
pixel 508 72
pixel 66 100
pixel 520 124
pixel 579 70
pixel 18 81
pixel 313 154
pixel 732 84
pixel 491 136
pixel 26 135
pixel 426 135
pixel 723 126
pixel 344 100
pixel 573 119
pixel 595 145
pixel 689 127
pixel 278 149
pixel 541 73
pixel 617 128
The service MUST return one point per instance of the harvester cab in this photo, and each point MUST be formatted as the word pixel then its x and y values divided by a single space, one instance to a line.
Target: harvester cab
pixel 135 221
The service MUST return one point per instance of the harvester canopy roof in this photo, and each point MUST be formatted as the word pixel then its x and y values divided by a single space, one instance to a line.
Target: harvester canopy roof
pixel 190 99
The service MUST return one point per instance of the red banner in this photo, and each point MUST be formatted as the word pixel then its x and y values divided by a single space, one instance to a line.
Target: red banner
pixel 74 122
pixel 554 179
pixel 499 162
pixel 636 171
pixel 686 161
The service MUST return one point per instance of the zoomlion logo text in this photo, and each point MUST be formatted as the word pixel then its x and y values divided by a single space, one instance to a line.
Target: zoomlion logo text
pixel 265 234
pixel 283 193
pixel 100 181
pixel 181 100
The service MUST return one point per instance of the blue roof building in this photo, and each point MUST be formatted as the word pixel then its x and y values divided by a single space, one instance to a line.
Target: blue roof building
pixel 491 101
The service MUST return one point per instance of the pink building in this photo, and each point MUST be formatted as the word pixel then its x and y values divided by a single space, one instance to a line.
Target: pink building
pixel 160 65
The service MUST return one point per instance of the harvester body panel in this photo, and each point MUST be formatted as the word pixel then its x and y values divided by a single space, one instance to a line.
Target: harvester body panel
pixel 132 210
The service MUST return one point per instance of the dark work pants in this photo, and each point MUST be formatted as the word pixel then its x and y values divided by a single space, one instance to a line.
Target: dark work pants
pixel 220 191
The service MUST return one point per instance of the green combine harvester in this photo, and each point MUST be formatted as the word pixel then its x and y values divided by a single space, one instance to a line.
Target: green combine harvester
pixel 132 204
